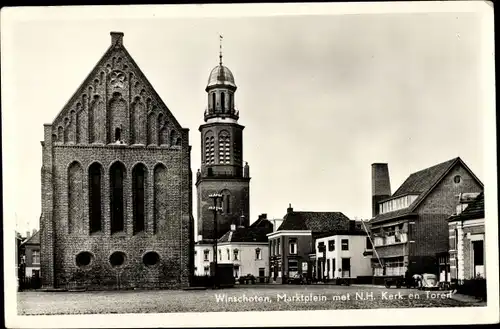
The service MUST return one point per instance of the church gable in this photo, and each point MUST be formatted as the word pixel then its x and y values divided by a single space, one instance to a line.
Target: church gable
pixel 116 104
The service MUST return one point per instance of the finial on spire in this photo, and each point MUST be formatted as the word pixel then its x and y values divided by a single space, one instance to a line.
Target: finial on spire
pixel 220 47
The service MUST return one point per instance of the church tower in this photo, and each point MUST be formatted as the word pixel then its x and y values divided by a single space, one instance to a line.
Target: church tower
pixel 222 169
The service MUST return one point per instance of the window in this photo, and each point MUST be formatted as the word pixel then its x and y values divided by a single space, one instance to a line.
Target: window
pixel 220 254
pixel 228 254
pixel 35 257
pixel 293 266
pixel 321 246
pixel 150 258
pixel 224 147
pixel 209 149
pixel 346 267
pixel 345 244
pixel 117 175
pixel 258 254
pixel 213 101
pixel 293 246
pixel 206 270
pixel 226 202
pixel 279 246
pixel 95 174
pixel 457 179
pixel 333 267
pixel 206 252
pixel 84 259
pixel 118 135
pixel 368 244
pixel 235 253
pixel 455 246
pixel 138 187
pixel 236 271
pixel 117 259
pixel 223 101
pixel 331 245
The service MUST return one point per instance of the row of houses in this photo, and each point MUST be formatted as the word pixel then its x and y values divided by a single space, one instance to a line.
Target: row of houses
pixel 433 223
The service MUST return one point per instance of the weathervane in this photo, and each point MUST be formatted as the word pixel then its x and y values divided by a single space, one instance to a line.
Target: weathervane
pixel 220 47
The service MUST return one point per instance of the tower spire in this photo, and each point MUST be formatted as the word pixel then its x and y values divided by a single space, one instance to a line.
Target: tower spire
pixel 220 49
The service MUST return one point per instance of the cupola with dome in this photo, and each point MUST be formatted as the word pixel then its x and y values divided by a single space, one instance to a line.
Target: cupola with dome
pixel 220 89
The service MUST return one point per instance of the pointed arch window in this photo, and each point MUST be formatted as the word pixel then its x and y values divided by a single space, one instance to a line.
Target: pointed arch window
pixel 95 187
pixel 117 176
pixel 138 197
pixel 224 148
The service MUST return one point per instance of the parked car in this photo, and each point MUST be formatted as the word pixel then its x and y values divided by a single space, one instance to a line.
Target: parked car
pixel 429 282
pixel 246 279
pixel 297 279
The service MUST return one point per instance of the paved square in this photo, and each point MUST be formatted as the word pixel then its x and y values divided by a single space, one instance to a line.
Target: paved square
pixel 244 298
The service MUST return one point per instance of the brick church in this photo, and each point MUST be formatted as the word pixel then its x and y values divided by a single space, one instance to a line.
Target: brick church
pixel 116 183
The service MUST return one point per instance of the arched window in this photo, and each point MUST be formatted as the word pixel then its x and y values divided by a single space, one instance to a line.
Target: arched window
pixel 213 101
pixel 138 196
pixel 223 101
pixel 117 175
pixel 209 148
pixel 224 148
pixel 75 197
pixel 231 100
pixel 95 213
pixel 118 135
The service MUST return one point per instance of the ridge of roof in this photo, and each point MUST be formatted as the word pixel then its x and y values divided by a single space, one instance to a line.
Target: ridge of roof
pixel 423 181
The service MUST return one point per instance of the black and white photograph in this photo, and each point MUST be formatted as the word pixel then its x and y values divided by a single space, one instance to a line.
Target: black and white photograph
pixel 249 165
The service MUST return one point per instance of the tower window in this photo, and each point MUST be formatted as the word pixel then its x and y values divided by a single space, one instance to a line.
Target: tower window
pixel 223 101
pixel 209 150
pixel 224 148
pixel 213 101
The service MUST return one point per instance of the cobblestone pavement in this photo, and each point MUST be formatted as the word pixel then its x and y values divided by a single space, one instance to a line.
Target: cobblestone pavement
pixel 244 298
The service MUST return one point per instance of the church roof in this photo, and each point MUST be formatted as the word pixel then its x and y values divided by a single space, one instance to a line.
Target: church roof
pixel 221 75
pixel 117 64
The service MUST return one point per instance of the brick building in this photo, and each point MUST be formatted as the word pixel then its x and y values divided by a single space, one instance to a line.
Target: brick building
pixel 30 251
pixel 292 244
pixel 466 236
pixel 410 227
pixel 116 184
pixel 222 170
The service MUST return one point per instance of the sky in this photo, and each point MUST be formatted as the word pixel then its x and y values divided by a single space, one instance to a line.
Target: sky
pixel 322 97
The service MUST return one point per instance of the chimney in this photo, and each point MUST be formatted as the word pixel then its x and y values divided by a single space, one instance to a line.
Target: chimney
pixel 381 185
pixel 289 209
pixel 117 39
pixel 246 170
pixel 28 235
pixel 263 216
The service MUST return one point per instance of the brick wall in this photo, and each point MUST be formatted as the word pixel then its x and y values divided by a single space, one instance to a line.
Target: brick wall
pixel 240 199
pixel 431 227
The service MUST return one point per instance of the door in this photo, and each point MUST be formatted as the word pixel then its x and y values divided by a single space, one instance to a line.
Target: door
pixel 346 267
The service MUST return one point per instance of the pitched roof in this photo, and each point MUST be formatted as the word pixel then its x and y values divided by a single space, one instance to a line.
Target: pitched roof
pixel 115 50
pixel 246 234
pixel 34 239
pixel 474 210
pixel 314 221
pixel 420 183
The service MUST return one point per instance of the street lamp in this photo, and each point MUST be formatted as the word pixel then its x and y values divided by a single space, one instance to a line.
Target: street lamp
pixel 215 197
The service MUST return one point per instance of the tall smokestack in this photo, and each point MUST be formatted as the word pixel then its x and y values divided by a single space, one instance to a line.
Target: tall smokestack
pixel 381 185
